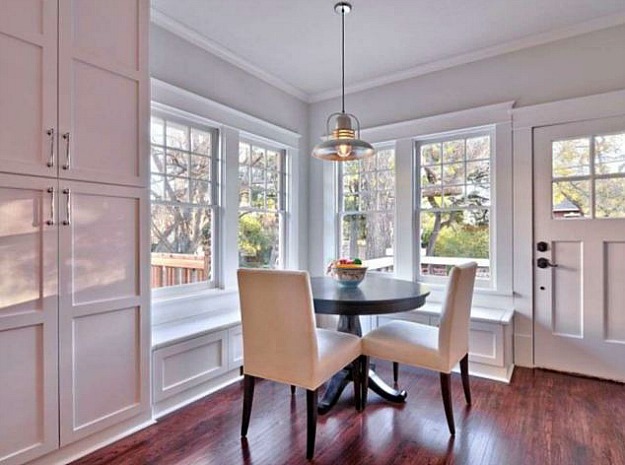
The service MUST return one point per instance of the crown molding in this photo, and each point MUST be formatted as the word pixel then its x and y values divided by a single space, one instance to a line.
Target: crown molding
pixel 190 35
pixel 168 23
pixel 596 24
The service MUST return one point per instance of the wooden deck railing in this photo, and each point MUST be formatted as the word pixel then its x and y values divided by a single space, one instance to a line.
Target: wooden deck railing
pixel 175 269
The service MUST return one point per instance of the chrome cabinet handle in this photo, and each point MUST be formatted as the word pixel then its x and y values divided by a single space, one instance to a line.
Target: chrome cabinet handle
pixel 68 219
pixel 50 222
pixel 68 153
pixel 50 133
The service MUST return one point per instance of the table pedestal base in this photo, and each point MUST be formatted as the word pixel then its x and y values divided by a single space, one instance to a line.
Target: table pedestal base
pixel 351 324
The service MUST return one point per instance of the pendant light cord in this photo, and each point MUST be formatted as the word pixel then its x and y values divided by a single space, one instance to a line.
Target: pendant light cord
pixel 343 58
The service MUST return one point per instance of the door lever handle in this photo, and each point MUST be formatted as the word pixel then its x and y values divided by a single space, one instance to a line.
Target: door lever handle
pixel 545 263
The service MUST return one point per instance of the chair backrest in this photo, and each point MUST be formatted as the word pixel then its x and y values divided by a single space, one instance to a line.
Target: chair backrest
pixel 277 315
pixel 453 336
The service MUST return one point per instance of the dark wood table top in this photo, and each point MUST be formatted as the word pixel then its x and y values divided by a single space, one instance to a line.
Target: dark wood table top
pixel 374 296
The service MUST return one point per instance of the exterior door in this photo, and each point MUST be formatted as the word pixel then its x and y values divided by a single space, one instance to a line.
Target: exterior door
pixel 28 319
pixel 579 207
pixel 104 324
pixel 28 94
pixel 104 91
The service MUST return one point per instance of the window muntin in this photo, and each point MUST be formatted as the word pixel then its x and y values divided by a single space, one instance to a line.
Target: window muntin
pixel 455 203
pixel 183 194
pixel 367 209
pixel 588 177
pixel 262 205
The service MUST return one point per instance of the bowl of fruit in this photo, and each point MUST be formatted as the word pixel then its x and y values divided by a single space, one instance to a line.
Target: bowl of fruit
pixel 347 272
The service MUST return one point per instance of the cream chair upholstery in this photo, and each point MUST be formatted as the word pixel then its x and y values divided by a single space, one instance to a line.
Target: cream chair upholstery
pixel 281 342
pixel 438 349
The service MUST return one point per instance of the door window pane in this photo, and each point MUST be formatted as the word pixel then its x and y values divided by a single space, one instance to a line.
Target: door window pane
pixel 571 199
pixel 610 198
pixel 571 157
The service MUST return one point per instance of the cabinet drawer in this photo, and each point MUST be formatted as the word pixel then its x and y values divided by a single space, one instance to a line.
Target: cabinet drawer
pixel 187 364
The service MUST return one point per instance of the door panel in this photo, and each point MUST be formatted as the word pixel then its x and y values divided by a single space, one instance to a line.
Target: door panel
pixel 104 91
pixel 104 322
pixel 28 94
pixel 579 172
pixel 28 320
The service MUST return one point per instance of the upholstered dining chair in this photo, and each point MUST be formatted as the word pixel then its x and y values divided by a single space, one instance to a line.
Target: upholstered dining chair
pixel 438 349
pixel 281 342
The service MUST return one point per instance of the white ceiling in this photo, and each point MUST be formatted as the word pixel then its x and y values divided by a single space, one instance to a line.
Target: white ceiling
pixel 296 44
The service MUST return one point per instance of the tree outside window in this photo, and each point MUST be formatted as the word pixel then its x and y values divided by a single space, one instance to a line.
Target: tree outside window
pixel 262 200
pixel 183 196
pixel 367 209
pixel 455 201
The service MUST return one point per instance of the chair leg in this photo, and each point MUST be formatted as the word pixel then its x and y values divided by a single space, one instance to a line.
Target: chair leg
pixel 395 372
pixel 364 385
pixel 446 391
pixel 464 371
pixel 357 378
pixel 248 397
pixel 292 390
pixel 311 407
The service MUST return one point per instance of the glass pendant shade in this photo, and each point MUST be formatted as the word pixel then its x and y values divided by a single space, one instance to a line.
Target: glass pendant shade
pixel 343 143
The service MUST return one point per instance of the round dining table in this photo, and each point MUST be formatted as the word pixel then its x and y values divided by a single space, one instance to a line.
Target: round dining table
pixel 376 295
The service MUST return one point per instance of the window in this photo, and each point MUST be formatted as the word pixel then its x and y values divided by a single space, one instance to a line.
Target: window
pixel 184 199
pixel 262 206
pixel 455 203
pixel 588 177
pixel 367 209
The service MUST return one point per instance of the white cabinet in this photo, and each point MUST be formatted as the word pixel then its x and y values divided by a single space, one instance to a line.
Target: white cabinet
pixel 93 70
pixel 28 320
pixel 74 219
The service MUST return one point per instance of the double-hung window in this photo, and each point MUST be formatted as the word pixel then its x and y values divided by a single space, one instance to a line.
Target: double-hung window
pixel 262 205
pixel 367 209
pixel 454 199
pixel 184 195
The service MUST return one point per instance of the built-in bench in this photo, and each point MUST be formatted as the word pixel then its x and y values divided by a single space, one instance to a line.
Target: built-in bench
pixel 198 355
pixel 193 357
pixel 490 338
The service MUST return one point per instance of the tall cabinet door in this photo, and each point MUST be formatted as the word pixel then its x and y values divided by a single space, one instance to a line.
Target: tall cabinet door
pixel 28 319
pixel 28 90
pixel 104 91
pixel 104 318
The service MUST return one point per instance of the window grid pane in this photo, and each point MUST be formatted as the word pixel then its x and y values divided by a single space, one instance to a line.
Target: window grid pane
pixel 455 200
pixel 262 198
pixel 183 209
pixel 588 177
pixel 367 210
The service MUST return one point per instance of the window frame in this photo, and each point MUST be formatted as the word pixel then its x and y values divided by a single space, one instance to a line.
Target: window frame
pixel 283 194
pixel 193 121
pixel 340 213
pixel 465 133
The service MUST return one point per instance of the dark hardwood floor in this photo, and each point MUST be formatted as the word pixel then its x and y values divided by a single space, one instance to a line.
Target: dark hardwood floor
pixel 540 418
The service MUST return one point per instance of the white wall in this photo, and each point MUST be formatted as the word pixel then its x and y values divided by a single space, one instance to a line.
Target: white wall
pixel 182 64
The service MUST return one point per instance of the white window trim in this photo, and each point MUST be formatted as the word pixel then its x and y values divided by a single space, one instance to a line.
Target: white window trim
pixel 416 166
pixel 285 192
pixel 232 124
pixel 174 292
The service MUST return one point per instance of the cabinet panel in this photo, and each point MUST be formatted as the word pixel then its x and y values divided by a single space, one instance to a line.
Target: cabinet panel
pixel 104 321
pixel 28 94
pixel 104 91
pixel 106 355
pixel 28 320
pixel 187 364
pixel 107 30
pixel 235 342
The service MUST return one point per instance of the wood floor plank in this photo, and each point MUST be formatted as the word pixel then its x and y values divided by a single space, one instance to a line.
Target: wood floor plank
pixel 540 418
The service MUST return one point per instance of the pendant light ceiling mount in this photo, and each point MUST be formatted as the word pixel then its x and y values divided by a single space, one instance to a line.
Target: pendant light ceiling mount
pixel 343 143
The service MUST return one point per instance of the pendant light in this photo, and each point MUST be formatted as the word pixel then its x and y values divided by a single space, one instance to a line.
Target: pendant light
pixel 343 143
